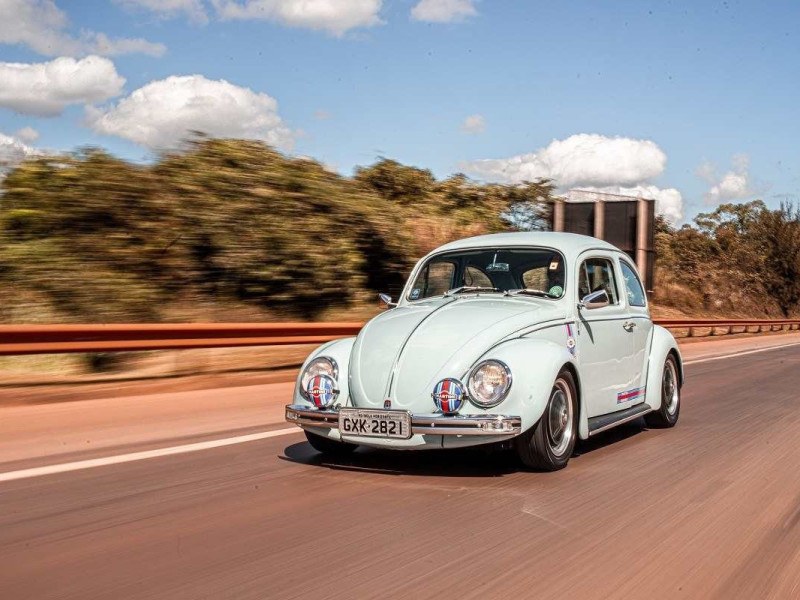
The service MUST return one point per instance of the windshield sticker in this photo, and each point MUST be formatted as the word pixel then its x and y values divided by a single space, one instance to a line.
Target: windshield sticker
pixel 415 293
pixel 570 340
pixel 629 395
pixel 554 265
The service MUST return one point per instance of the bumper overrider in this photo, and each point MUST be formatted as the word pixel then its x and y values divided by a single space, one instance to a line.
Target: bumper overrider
pixel 431 424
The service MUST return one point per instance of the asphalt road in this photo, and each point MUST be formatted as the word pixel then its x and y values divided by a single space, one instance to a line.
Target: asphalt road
pixel 710 509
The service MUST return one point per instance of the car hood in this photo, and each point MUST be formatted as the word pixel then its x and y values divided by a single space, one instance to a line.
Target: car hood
pixel 400 354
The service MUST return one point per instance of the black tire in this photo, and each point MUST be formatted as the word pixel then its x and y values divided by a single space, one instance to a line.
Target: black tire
pixel 667 415
pixel 548 445
pixel 328 446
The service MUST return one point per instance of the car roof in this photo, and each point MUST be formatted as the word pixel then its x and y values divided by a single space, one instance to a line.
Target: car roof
pixel 570 244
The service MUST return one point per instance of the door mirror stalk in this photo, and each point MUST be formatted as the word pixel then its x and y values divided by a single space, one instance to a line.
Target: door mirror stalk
pixel 597 299
pixel 385 301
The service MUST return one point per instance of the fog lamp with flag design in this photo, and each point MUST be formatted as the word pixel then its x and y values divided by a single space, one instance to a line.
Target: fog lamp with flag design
pixel 322 390
pixel 448 395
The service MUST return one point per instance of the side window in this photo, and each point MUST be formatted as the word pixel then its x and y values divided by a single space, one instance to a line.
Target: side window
pixel 633 286
pixel 434 280
pixel 597 274
pixel 474 276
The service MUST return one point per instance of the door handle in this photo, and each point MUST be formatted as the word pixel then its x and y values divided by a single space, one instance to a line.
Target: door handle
pixel 628 325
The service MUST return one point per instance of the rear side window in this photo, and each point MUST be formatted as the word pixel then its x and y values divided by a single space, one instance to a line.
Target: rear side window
pixel 597 274
pixel 633 287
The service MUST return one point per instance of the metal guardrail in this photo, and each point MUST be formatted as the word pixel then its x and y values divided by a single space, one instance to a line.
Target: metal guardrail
pixel 58 339
pixel 713 326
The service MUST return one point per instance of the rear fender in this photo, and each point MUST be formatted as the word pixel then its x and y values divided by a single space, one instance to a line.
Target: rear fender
pixel 663 343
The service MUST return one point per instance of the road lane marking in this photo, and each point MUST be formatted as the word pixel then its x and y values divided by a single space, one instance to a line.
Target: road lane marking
pixel 144 455
pixel 735 354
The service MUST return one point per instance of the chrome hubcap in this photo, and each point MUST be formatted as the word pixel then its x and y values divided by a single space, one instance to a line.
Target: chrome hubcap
pixel 669 387
pixel 561 424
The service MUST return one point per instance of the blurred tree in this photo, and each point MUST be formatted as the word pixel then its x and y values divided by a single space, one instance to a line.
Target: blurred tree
pixel 284 233
pixel 396 182
pixel 777 235
pixel 529 204
pixel 233 223
pixel 83 231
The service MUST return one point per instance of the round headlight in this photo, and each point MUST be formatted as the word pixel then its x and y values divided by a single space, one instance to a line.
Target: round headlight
pixel 322 365
pixel 489 383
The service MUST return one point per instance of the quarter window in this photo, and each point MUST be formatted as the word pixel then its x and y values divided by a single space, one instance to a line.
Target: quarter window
pixel 633 287
pixel 434 280
pixel 597 274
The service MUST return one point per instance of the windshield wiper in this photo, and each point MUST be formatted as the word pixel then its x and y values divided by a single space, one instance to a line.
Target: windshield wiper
pixel 464 289
pixel 530 292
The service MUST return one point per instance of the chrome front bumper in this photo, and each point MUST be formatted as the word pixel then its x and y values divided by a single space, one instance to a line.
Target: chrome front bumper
pixel 434 424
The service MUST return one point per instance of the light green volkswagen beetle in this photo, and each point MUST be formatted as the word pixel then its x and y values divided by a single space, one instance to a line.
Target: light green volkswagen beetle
pixel 534 338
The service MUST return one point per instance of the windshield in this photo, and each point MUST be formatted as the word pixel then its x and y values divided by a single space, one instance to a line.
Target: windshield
pixel 505 269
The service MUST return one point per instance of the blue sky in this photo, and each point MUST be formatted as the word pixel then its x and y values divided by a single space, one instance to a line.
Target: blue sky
pixel 713 86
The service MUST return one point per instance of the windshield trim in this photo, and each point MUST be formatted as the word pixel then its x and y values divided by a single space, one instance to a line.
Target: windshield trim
pixel 405 297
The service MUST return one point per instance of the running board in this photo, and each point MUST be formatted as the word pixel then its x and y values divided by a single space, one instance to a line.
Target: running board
pixel 603 422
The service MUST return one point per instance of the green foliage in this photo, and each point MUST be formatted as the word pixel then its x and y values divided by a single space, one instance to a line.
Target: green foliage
pixel 740 258
pixel 231 222
pixel 396 182
pixel 23 223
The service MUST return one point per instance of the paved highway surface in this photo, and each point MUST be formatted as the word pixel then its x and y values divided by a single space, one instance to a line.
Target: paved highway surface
pixel 710 509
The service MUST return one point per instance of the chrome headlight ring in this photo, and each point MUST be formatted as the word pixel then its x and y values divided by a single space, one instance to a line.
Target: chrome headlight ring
pixel 476 386
pixel 321 365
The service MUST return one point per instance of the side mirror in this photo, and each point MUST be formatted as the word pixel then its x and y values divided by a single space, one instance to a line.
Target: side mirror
pixel 597 299
pixel 385 301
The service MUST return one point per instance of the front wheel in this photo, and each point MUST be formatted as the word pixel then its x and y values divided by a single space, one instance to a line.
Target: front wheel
pixel 667 415
pixel 328 446
pixel 548 445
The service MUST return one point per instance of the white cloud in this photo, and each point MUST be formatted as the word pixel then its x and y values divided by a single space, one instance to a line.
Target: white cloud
pixel 617 165
pixel 27 134
pixel 474 124
pixel 334 16
pixel 443 11
pixel 735 184
pixel 669 201
pixel 100 43
pixel 41 25
pixel 162 113
pixel 706 171
pixel 194 10
pixel 12 152
pixel 45 89
pixel 583 159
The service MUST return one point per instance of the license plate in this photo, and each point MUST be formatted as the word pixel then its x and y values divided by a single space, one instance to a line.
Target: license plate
pixel 375 423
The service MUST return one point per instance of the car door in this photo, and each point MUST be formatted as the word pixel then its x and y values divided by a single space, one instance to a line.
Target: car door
pixel 605 349
pixel 639 327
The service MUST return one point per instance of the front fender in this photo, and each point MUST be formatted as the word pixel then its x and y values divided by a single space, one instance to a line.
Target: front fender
pixel 338 350
pixel 534 365
pixel 663 343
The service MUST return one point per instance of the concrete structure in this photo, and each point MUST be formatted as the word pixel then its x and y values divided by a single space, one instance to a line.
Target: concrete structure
pixel 624 221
